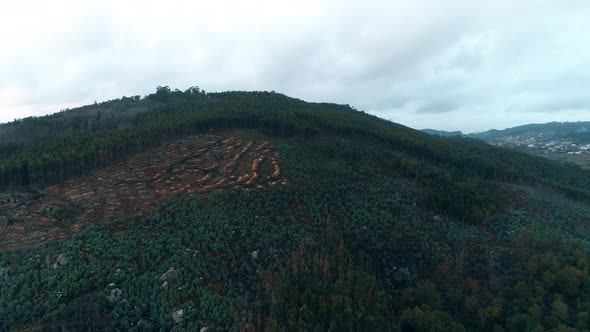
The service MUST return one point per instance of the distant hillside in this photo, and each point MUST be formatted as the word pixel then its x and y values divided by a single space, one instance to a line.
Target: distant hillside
pixel 255 211
pixel 550 130
pixel 442 132
pixel 563 141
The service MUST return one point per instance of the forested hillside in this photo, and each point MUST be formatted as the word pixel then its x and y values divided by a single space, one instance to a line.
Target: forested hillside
pixel 551 130
pixel 118 113
pixel 562 141
pixel 256 211
pixel 442 132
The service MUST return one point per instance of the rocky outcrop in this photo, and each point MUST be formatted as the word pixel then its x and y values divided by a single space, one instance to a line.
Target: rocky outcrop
pixel 171 274
pixel 60 261
pixel 178 316
pixel 115 294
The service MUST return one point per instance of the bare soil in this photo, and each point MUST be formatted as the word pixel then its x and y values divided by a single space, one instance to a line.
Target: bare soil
pixel 134 185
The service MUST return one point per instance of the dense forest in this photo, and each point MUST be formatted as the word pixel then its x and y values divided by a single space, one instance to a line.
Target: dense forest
pixel 380 227
pixel 53 158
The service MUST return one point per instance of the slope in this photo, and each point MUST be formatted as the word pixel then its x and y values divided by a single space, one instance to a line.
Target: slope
pixel 378 227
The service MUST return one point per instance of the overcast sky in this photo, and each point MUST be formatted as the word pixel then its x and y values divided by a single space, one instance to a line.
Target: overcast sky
pixel 454 65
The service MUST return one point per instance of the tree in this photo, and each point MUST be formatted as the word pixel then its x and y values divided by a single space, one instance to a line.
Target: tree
pixel 162 94
pixel 568 280
pixel 559 309
pixel 520 323
pixel 429 321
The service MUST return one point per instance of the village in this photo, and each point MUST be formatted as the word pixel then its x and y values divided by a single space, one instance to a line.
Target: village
pixel 544 144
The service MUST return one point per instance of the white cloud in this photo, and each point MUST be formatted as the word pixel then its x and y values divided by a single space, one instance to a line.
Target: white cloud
pixel 454 65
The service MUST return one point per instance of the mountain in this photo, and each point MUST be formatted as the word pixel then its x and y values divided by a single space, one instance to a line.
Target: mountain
pixel 256 211
pixel 442 132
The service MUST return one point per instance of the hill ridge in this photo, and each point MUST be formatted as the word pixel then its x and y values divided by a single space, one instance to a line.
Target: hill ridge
pixel 334 220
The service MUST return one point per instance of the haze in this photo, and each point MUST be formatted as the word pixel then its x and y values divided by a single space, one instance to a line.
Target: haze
pixel 457 65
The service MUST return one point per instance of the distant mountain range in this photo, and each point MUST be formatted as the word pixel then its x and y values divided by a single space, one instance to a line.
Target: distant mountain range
pixel 575 130
pixel 442 132
pixel 579 129
pixel 566 141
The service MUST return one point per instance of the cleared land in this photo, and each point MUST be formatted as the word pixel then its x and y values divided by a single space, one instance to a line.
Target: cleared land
pixel 134 185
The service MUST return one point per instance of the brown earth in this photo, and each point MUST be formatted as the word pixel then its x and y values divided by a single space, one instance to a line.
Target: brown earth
pixel 133 186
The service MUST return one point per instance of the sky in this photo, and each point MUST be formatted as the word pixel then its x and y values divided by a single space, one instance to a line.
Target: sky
pixel 451 65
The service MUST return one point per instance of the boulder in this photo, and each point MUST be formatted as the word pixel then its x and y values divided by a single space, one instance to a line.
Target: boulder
pixel 178 316
pixel 115 294
pixel 171 274
pixel 61 259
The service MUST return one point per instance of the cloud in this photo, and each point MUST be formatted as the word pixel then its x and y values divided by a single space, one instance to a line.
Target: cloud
pixel 454 65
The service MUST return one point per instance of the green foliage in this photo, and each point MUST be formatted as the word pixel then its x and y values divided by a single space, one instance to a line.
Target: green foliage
pixel 380 228
pixel 318 292
pixel 430 321
pixel 170 114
